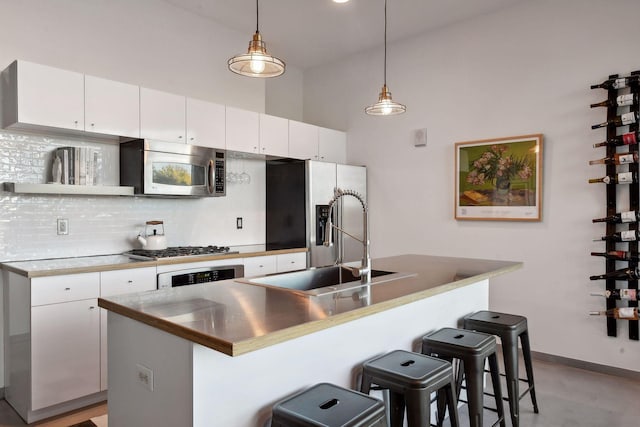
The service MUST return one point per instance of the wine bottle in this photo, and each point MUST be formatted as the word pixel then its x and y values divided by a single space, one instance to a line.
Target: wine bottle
pixel 622 274
pixel 620 217
pixel 622 236
pixel 617 159
pixel 627 313
pixel 619 178
pixel 617 83
pixel 621 294
pixel 629 138
pixel 621 101
pixel 617 255
pixel 622 120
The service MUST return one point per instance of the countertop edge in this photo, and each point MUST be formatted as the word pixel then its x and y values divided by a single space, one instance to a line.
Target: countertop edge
pixel 139 264
pixel 279 336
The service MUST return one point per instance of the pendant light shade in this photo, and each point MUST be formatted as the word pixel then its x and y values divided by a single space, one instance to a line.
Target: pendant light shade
pixel 385 106
pixel 256 62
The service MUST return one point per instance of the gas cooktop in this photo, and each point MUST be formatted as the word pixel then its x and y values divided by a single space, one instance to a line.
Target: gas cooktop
pixel 178 251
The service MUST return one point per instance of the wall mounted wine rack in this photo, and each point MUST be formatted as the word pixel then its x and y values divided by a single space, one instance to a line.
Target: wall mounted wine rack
pixel 615 199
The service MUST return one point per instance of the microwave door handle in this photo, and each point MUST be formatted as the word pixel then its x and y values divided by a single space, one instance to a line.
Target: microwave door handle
pixel 211 177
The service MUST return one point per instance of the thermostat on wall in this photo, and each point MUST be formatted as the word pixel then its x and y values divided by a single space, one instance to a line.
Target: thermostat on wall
pixel 420 137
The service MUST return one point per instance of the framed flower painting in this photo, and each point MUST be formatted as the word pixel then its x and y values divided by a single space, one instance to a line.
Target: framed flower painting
pixel 499 179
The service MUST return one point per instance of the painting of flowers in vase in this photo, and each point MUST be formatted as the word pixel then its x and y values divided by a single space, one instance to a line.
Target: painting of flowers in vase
pixel 499 179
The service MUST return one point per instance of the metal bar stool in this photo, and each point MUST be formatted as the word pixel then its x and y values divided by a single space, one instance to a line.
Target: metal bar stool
pixel 410 379
pixel 328 405
pixel 509 327
pixel 472 349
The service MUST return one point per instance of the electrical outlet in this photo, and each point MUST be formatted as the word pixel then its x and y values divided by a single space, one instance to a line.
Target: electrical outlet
pixel 63 226
pixel 239 223
pixel 145 376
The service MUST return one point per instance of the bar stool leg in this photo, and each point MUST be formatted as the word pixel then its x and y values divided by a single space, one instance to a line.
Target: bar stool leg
pixel 453 405
pixel 396 408
pixel 510 354
pixel 526 352
pixel 443 397
pixel 418 413
pixel 473 375
pixel 497 391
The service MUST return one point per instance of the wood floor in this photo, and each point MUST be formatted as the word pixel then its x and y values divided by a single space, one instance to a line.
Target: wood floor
pixel 9 418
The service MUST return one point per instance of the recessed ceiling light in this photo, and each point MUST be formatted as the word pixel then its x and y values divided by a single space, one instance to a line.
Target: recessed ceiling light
pixel 340 1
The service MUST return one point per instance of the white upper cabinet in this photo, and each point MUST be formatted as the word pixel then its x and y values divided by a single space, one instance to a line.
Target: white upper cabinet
pixel 303 140
pixel 332 145
pixel 34 94
pixel 162 116
pixel 205 123
pixel 243 130
pixel 111 108
pixel 274 135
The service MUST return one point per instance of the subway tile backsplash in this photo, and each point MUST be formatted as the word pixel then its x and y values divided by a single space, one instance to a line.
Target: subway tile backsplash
pixel 108 225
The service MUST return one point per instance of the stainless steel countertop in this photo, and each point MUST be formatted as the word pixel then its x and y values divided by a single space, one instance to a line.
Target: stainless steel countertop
pixel 236 318
pixel 59 266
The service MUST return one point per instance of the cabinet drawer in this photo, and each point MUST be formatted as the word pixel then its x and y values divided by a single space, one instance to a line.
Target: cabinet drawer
pixel 259 265
pixel 71 287
pixel 127 281
pixel 291 262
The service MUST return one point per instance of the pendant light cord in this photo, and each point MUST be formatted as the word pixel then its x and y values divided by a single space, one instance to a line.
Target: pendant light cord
pixel 385 42
pixel 258 18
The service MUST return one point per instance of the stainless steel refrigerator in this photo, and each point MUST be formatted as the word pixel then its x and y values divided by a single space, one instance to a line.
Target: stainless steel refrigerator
pixel 297 195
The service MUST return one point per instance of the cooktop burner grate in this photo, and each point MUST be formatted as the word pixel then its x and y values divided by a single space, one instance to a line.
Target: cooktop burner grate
pixel 178 251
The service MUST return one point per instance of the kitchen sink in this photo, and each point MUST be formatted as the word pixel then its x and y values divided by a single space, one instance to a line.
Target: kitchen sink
pixel 320 280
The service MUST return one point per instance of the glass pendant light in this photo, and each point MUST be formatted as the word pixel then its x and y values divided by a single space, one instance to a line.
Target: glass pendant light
pixel 256 62
pixel 385 105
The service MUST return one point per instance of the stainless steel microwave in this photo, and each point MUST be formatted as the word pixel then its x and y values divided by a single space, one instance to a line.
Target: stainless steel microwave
pixel 156 168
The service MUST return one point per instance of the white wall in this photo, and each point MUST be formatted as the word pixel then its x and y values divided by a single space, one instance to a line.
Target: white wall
pixel 526 69
pixel 283 95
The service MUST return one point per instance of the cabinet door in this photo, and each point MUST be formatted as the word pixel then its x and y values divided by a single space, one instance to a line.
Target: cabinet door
pixel 45 96
pixel 274 135
pixel 332 145
pixel 65 352
pixel 243 130
pixel 118 282
pixel 205 123
pixel 162 115
pixel 303 140
pixel 291 262
pixel 257 266
pixel 111 108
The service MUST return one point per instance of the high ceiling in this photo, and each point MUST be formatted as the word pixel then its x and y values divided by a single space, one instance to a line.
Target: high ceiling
pixel 306 33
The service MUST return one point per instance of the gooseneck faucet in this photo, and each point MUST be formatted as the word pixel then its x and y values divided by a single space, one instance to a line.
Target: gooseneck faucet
pixel 364 271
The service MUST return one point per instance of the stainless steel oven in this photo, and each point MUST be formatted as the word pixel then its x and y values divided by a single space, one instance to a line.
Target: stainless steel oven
pixel 192 276
pixel 156 168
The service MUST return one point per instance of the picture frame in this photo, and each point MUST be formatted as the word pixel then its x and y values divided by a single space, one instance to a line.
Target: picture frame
pixel 499 179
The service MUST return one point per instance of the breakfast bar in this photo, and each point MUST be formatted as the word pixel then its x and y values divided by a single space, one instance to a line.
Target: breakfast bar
pixel 224 353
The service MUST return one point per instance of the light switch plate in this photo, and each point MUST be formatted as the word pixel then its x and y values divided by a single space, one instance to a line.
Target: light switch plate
pixel 62 226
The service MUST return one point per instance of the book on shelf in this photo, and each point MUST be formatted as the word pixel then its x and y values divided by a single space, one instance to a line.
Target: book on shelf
pixel 79 165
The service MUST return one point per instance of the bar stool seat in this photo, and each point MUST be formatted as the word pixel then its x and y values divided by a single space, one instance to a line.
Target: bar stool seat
pixel 509 327
pixel 410 379
pixel 472 349
pixel 329 405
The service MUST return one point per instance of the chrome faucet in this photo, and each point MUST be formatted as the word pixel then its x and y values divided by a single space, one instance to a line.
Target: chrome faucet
pixel 364 271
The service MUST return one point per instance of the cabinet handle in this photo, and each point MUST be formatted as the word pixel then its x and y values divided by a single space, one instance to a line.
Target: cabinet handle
pixel 67 289
pixel 129 281
pixel 180 137
pixel 192 138
pixel 92 308
pixel 93 124
pixel 261 266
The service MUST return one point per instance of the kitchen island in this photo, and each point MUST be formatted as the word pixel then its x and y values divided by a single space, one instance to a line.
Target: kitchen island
pixel 224 353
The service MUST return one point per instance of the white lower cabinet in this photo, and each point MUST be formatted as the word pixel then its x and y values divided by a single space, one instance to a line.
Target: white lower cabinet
pixel 65 352
pixel 56 338
pixel 259 265
pixel 291 262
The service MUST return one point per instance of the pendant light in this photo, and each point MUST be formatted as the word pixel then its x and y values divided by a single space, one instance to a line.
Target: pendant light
pixel 385 105
pixel 256 62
